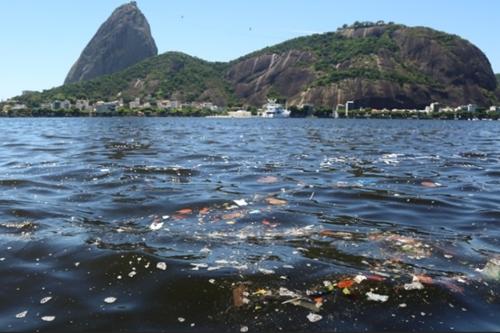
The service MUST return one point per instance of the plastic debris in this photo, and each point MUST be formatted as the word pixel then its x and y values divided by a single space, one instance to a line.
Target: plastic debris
pixel 313 317
pixel 21 314
pixel 132 274
pixel 345 284
pixel 48 318
pixel 359 278
pixel 267 180
pixel 371 296
pixel 45 300
pixel 185 211
pixel 161 265
pixel 110 300
pixel 181 320
pixel 240 294
pixel 266 271
pixel 156 225
pixel 491 270
pixel 430 184
pixel 241 202
pixel 276 202
pixel 244 329
pixel 415 285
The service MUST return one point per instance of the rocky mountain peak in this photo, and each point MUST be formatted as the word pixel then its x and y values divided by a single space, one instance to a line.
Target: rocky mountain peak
pixel 123 40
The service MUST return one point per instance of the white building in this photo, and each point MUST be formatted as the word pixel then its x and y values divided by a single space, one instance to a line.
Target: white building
pixel 66 105
pixel 105 107
pixel 347 107
pixel 495 109
pixel 56 105
pixel 435 107
pixel 82 105
pixel 471 108
pixel 18 107
pixel 135 104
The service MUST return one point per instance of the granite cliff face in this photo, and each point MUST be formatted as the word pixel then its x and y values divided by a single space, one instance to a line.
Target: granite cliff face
pixel 379 66
pixel 123 40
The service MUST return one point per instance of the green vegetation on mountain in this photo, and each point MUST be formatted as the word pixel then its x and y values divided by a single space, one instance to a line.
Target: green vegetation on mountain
pixel 170 75
pixel 498 78
pixel 375 64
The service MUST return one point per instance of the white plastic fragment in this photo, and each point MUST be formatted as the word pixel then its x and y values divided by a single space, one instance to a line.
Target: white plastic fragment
pixel 415 285
pixel 48 318
pixel 45 300
pixel 241 202
pixel 161 265
pixel 359 278
pixel 156 225
pixel 266 271
pixel 181 320
pixel 314 317
pixel 376 297
pixel 132 274
pixel 21 314
pixel 110 300
pixel 244 329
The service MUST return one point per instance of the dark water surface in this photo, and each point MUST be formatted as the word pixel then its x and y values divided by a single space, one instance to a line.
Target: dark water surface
pixel 372 225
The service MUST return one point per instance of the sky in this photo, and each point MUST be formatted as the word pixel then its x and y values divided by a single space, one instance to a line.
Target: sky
pixel 40 40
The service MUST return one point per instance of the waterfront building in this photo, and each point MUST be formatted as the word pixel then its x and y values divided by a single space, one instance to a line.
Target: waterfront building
pixel 56 105
pixel 135 104
pixel 105 107
pixel 66 105
pixel 82 105
pixel 471 108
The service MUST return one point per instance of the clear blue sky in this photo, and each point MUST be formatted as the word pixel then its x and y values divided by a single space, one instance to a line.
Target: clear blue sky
pixel 40 40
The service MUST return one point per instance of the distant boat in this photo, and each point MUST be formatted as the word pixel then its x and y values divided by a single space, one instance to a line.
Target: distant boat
pixel 274 110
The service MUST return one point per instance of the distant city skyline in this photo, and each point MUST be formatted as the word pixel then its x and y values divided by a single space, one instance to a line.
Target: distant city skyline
pixel 41 40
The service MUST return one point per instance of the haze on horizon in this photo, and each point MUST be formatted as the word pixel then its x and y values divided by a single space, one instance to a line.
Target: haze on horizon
pixel 42 39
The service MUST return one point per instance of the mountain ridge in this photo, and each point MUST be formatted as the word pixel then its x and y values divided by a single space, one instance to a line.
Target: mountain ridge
pixel 376 64
pixel 124 39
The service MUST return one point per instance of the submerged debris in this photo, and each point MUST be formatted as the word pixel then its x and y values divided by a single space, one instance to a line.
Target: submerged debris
pixel 45 300
pixel 110 300
pixel 491 270
pixel 314 317
pixel 276 202
pixel 371 296
pixel 161 265
pixel 22 314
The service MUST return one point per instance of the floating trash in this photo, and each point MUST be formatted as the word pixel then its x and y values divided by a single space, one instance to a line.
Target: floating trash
pixel 267 180
pixel 430 184
pixel 181 319
pixel 276 202
pixel 110 300
pixel 376 297
pixel 48 318
pixel 244 329
pixel 156 225
pixel 241 202
pixel 161 265
pixel 45 300
pixel 22 314
pixel 313 317
pixel 266 271
pixel 491 270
